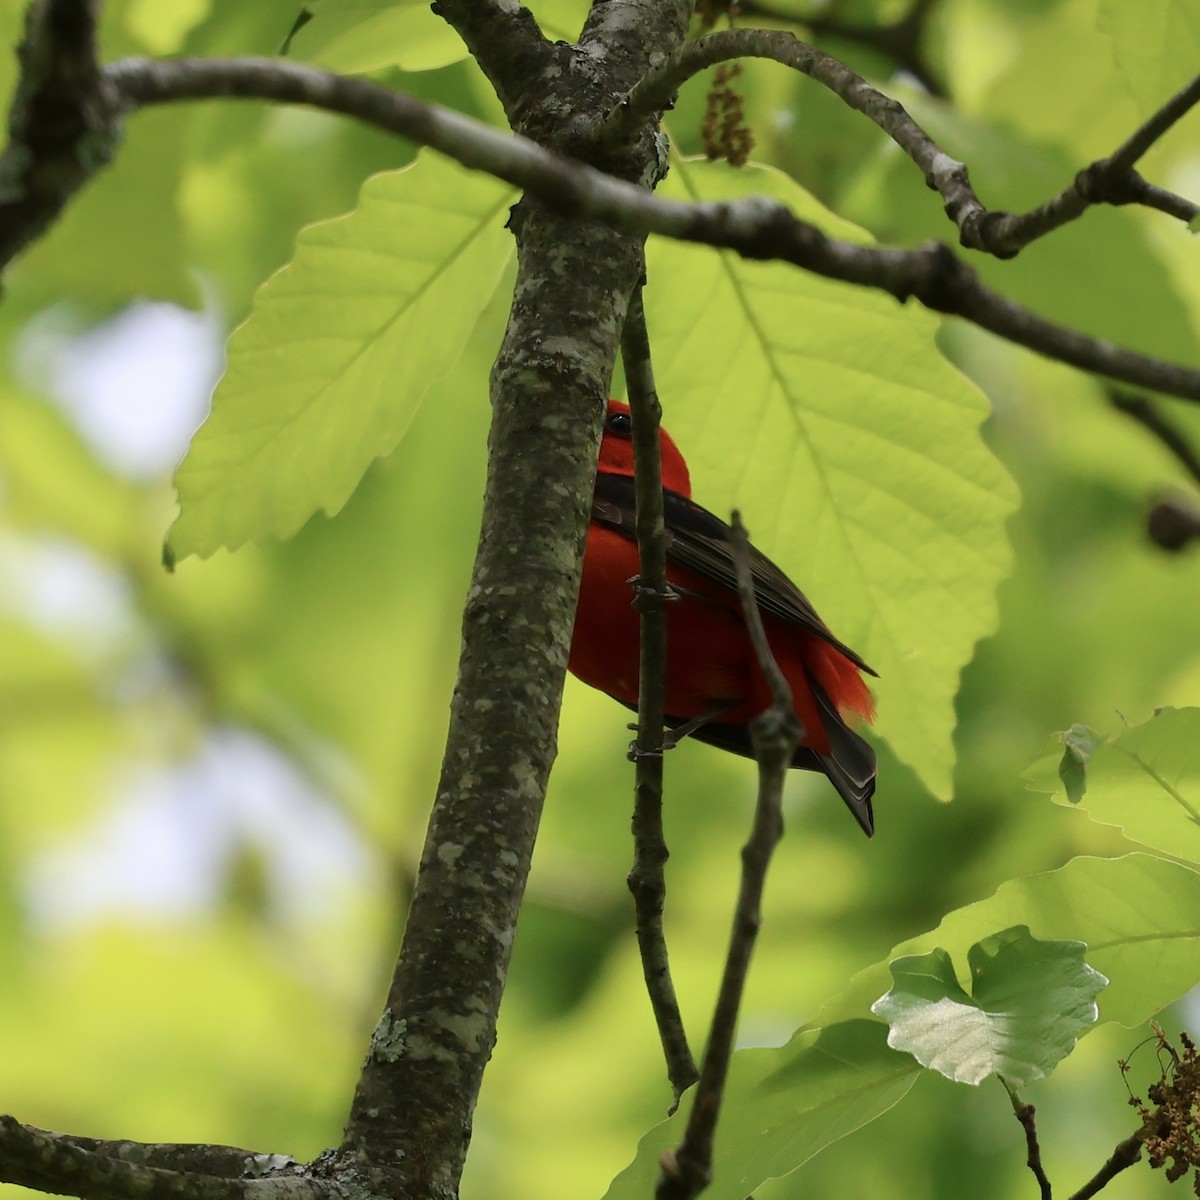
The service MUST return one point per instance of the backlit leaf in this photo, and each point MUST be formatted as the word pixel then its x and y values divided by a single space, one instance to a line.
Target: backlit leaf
pixel 1138 915
pixel 828 416
pixel 1146 781
pixel 365 35
pixel 1029 1002
pixel 338 352
pixel 781 1107
pixel 1156 44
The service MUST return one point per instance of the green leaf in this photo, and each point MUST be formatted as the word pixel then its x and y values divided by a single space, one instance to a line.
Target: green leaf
pixel 1145 781
pixel 353 36
pixel 1030 1001
pixel 162 28
pixel 338 352
pixel 781 1107
pixel 828 416
pixel 1079 744
pixel 250 1014
pixel 1156 44
pixel 1138 915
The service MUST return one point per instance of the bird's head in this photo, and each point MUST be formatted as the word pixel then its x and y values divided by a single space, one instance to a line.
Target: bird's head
pixel 616 450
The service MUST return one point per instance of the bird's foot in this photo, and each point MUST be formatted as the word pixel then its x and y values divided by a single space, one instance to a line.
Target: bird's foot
pixel 645 596
pixel 636 752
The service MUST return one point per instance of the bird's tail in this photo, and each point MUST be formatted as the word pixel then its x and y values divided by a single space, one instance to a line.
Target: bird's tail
pixel 850 763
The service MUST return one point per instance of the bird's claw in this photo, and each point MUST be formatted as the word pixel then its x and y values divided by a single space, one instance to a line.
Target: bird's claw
pixel 643 594
pixel 635 751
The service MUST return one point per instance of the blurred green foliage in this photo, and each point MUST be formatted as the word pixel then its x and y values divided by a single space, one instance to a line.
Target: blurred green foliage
pixel 149 990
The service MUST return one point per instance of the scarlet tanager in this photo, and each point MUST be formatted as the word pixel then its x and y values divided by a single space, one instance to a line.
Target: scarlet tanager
pixel 714 685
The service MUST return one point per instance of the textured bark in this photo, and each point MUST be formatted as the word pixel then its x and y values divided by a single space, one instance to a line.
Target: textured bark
pixel 100 1170
pixel 429 1050
pixel 63 123
pixel 418 1087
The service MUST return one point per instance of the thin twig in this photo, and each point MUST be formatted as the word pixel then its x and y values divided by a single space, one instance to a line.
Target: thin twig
pixel 1025 1114
pixel 775 734
pixel 899 41
pixel 655 91
pixel 1151 417
pixel 1124 1156
pixel 1148 195
pixel 1156 125
pixel 646 880
pixel 1110 181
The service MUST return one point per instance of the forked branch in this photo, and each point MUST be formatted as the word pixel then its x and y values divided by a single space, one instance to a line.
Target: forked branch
pixel 1112 180
pixel 753 227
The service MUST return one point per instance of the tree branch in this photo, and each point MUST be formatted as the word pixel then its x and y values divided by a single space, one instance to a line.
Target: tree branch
pixel 1123 1157
pixel 63 123
pixel 410 1121
pixel 508 45
pixel 1026 1115
pixel 1144 137
pixel 754 227
pixel 228 1162
pixel 655 91
pixel 98 1170
pixel 1111 181
pixel 1151 417
pixel 775 734
pixel 651 596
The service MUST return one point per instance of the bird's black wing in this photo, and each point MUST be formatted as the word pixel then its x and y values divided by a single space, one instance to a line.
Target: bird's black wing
pixel 701 541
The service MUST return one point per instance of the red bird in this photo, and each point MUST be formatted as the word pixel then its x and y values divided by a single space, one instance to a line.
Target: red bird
pixel 714 686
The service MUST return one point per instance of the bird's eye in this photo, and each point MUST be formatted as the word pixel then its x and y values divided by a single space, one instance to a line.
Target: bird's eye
pixel 620 424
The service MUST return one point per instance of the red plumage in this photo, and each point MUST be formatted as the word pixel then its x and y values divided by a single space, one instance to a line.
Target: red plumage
pixel 710 661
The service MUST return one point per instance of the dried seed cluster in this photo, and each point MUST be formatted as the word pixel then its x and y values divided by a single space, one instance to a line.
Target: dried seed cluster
pixel 724 130
pixel 1171 1128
